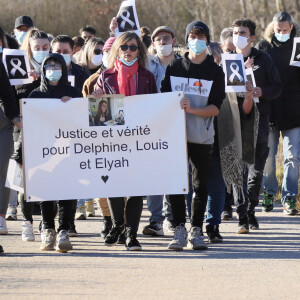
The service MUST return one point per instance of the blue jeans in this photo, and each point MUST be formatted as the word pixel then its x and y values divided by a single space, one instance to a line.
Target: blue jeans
pixel 291 152
pixel 160 208
pixel 216 192
pixel 270 183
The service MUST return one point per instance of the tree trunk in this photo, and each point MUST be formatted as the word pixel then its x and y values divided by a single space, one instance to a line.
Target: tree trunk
pixel 244 7
pixel 211 23
pixel 280 5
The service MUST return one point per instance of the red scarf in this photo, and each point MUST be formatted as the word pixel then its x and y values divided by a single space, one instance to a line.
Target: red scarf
pixel 125 78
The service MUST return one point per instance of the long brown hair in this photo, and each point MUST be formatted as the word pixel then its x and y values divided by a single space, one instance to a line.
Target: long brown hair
pixel 123 39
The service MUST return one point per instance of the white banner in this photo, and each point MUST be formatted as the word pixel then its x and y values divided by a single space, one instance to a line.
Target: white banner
pixel 108 148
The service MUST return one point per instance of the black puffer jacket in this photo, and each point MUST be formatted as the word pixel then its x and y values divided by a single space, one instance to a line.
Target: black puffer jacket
pixel 285 109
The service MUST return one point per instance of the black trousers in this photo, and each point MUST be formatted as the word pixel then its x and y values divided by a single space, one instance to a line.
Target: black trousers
pixel 64 213
pixel 133 212
pixel 199 156
pixel 26 208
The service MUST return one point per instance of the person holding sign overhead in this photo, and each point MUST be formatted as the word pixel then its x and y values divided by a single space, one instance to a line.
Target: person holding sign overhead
pixel 268 88
pixel 126 74
pixel 285 114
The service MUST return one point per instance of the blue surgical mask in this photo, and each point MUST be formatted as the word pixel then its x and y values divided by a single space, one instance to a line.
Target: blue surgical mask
pixel 39 56
pixel 282 37
pixel 126 63
pixel 67 58
pixel 197 46
pixel 53 75
pixel 1 49
pixel 20 36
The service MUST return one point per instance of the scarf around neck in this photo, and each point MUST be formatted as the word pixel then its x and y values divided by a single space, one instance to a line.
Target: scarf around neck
pixel 126 81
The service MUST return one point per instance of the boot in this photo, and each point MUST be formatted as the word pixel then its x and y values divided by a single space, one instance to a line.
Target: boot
pixel 106 226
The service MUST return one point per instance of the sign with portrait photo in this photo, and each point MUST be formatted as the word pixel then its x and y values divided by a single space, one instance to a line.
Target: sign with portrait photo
pixel 66 157
pixel 127 18
pixel 295 58
pixel 17 66
pixel 235 74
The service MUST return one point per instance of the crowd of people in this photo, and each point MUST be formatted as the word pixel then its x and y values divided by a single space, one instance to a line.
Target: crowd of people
pixel 232 141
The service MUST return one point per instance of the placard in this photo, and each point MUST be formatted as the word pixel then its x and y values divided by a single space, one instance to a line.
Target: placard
pixel 251 78
pixel 68 157
pixel 14 179
pixel 71 79
pixel 127 18
pixel 17 66
pixel 295 58
pixel 235 75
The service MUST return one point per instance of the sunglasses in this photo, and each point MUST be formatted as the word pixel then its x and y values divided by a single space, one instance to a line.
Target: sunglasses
pixel 132 48
pixel 97 52
pixel 53 67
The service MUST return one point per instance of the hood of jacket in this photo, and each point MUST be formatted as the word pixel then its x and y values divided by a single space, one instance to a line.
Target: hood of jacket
pixel 64 78
pixel 269 32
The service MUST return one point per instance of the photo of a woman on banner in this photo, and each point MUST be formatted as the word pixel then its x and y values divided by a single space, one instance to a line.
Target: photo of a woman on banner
pixel 103 114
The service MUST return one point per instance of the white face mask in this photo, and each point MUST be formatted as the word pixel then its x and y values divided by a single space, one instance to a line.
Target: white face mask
pixel 105 59
pixel 97 60
pixel 240 42
pixel 164 50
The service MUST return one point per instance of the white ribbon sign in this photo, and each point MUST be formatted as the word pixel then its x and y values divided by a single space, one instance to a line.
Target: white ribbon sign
pixel 16 67
pixel 295 57
pixel 234 69
pixel 127 18
pixel 12 60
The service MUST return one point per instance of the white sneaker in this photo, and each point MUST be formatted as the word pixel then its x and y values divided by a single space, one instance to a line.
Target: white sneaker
pixel 27 231
pixel 3 227
pixel 180 238
pixel 168 226
pixel 196 239
pixel 80 213
pixel 11 213
pixel 48 237
pixel 63 244
pixel 90 211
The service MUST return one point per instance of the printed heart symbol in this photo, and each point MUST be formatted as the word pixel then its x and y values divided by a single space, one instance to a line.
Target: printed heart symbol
pixel 104 178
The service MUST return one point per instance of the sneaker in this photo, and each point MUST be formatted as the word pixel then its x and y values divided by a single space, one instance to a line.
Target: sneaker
pixel 11 213
pixel 80 213
pixel 168 226
pixel 27 232
pixel 196 239
pixel 153 229
pixel 72 231
pixel 63 245
pixel 90 211
pixel 113 236
pixel 106 226
pixel 132 244
pixel 3 227
pixel 48 237
pixel 180 238
pixel 243 226
pixel 122 239
pixel 252 220
pixel 213 234
pixel 289 207
pixel 267 204
pixel 226 215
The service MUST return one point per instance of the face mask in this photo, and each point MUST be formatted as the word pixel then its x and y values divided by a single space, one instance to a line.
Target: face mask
pixel 67 58
pixel 105 59
pixel 20 36
pixel 197 46
pixel 282 37
pixel 164 50
pixel 39 56
pixel 97 60
pixel 126 63
pixel 1 49
pixel 240 42
pixel 53 75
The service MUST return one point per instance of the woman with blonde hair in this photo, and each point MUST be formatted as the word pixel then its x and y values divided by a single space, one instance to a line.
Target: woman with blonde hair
pixel 126 74
pixel 90 57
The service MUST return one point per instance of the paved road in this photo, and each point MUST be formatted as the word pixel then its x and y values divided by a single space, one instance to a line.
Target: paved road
pixel 264 264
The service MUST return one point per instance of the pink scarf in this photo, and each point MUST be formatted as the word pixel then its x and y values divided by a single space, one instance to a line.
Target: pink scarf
pixel 125 78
